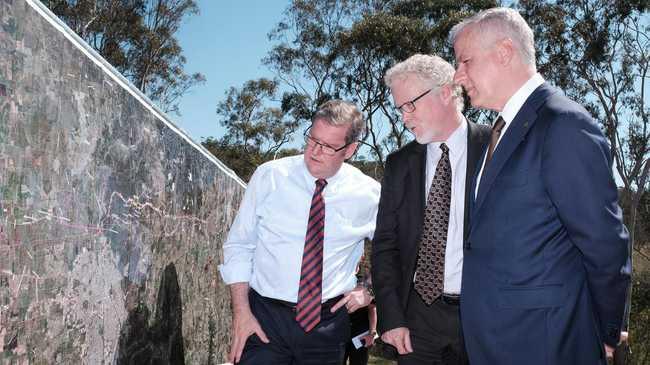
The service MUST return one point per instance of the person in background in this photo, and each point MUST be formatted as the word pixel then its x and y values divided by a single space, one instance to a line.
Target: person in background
pixel 363 320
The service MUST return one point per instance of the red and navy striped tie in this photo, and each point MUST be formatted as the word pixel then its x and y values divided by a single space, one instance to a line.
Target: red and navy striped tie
pixel 310 292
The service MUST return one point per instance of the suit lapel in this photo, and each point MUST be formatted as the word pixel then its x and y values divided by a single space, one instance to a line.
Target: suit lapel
pixel 417 169
pixel 474 151
pixel 516 133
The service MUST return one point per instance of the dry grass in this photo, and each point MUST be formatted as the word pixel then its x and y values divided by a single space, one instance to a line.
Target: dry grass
pixel 379 361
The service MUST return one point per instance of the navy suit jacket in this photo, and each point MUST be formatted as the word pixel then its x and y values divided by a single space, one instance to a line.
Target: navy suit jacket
pixel 546 267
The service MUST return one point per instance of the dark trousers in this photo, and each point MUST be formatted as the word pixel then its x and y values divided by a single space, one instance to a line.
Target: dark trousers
pixel 359 323
pixel 355 356
pixel 435 333
pixel 289 344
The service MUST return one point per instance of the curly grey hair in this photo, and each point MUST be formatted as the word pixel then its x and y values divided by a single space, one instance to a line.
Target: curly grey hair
pixel 430 69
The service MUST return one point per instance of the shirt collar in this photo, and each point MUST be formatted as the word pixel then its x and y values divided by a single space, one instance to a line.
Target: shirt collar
pixel 518 99
pixel 332 181
pixel 456 141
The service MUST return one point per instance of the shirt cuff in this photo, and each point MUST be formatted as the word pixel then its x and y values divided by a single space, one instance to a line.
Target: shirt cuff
pixel 231 275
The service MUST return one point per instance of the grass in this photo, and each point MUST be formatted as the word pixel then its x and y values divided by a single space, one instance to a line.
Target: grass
pixel 379 361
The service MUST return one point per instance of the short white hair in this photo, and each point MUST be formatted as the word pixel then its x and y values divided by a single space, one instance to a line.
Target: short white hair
pixel 498 23
pixel 431 70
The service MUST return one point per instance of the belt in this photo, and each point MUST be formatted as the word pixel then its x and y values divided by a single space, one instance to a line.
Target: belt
pixel 450 299
pixel 325 305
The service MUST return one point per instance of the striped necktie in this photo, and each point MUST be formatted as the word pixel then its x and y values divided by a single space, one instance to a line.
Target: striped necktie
pixel 310 292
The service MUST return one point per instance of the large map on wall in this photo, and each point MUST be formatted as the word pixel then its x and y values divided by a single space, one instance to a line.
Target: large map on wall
pixel 111 218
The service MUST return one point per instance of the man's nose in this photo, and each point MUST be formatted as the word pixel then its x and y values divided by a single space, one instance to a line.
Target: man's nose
pixel 407 117
pixel 316 149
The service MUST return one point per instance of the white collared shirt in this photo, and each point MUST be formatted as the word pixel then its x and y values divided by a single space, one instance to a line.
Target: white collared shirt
pixel 510 111
pixel 457 143
pixel 266 241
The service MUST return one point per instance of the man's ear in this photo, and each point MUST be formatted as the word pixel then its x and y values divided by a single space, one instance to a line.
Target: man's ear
pixel 505 51
pixel 445 94
pixel 350 150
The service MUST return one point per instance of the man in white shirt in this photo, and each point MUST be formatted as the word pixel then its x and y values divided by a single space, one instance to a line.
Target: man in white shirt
pixel 422 217
pixel 292 251
pixel 546 266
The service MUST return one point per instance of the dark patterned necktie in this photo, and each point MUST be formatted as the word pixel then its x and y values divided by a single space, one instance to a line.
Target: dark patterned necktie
pixel 430 269
pixel 310 292
pixel 494 137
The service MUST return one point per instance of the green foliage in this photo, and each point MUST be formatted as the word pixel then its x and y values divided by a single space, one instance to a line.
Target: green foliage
pixel 371 168
pixel 641 214
pixel 640 318
pixel 137 38
pixel 248 121
pixel 327 49
pixel 255 131
pixel 243 161
pixel 598 52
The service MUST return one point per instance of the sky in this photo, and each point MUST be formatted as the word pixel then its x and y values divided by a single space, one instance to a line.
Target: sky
pixel 226 43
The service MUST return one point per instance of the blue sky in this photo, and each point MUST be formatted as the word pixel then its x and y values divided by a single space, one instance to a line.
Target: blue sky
pixel 226 43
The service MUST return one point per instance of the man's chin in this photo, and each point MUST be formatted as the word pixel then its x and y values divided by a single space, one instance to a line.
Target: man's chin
pixel 475 102
pixel 423 139
pixel 313 170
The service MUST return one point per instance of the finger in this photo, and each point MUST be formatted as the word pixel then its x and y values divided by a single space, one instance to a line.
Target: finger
pixel 388 339
pixel 238 350
pixel 340 303
pixel 407 343
pixel 384 339
pixel 396 340
pixel 233 349
pixel 400 348
pixel 356 299
pixel 231 355
pixel 260 333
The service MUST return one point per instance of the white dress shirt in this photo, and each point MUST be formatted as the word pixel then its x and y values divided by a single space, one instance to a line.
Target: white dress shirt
pixel 266 241
pixel 457 144
pixel 509 113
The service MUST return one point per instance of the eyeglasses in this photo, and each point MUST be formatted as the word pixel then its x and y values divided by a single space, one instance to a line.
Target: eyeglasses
pixel 325 148
pixel 409 106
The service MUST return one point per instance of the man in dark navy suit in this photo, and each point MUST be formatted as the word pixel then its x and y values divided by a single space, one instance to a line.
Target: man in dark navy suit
pixel 546 267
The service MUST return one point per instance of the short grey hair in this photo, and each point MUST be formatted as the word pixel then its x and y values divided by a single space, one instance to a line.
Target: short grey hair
pixel 342 113
pixel 499 23
pixel 430 69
